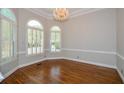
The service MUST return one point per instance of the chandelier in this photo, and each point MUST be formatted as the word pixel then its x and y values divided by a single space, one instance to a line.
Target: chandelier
pixel 61 14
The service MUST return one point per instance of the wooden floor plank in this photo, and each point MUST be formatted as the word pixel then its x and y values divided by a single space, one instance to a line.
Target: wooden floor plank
pixel 63 72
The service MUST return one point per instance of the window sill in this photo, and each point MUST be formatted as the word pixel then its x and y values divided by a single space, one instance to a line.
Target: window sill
pixel 55 51
pixel 34 54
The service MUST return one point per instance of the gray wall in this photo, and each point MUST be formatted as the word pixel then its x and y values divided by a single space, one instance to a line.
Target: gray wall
pixel 92 37
pixel 120 40
pixel 93 32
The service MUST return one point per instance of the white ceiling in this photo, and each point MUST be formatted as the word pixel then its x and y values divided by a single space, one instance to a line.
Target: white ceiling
pixel 73 12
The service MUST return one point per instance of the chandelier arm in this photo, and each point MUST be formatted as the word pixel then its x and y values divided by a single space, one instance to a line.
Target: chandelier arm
pixel 61 14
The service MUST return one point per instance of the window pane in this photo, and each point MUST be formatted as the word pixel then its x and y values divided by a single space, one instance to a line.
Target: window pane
pixel 34 23
pixel 58 41
pixel 29 41
pixel 53 36
pixel 58 36
pixel 57 45
pixel 41 41
pixel 8 13
pixel 7 47
pixel 35 38
pixel 5 30
pixel 38 41
pixel 34 42
pixel 55 39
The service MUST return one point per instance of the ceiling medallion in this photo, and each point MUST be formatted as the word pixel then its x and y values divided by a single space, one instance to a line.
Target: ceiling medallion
pixel 61 14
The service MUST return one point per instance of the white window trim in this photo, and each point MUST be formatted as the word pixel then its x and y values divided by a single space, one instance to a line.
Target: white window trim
pixel 28 27
pixel 0 39
pixel 14 57
pixel 60 42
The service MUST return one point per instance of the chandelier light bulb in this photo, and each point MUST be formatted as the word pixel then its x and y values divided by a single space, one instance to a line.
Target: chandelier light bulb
pixel 61 14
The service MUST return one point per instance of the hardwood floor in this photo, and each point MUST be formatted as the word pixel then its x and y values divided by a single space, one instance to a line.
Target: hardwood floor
pixel 63 71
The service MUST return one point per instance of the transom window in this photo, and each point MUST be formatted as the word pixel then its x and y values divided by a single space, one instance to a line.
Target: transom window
pixel 35 37
pixel 55 39
pixel 8 34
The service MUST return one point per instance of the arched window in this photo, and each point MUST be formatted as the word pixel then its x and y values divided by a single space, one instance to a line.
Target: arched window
pixel 55 39
pixel 35 37
pixel 8 34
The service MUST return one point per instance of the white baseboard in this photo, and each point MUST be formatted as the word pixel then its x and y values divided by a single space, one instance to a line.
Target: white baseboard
pixel 122 57
pixel 78 60
pixel 121 76
pixel 30 63
pixel 1 77
pixel 91 62
pixel 37 61
pixel 54 58
pixel 10 72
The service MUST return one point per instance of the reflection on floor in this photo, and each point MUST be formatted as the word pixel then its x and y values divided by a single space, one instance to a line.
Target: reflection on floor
pixel 63 71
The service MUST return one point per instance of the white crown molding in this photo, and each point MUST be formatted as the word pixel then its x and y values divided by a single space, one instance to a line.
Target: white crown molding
pixel 37 12
pixel 72 15
pixel 84 12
